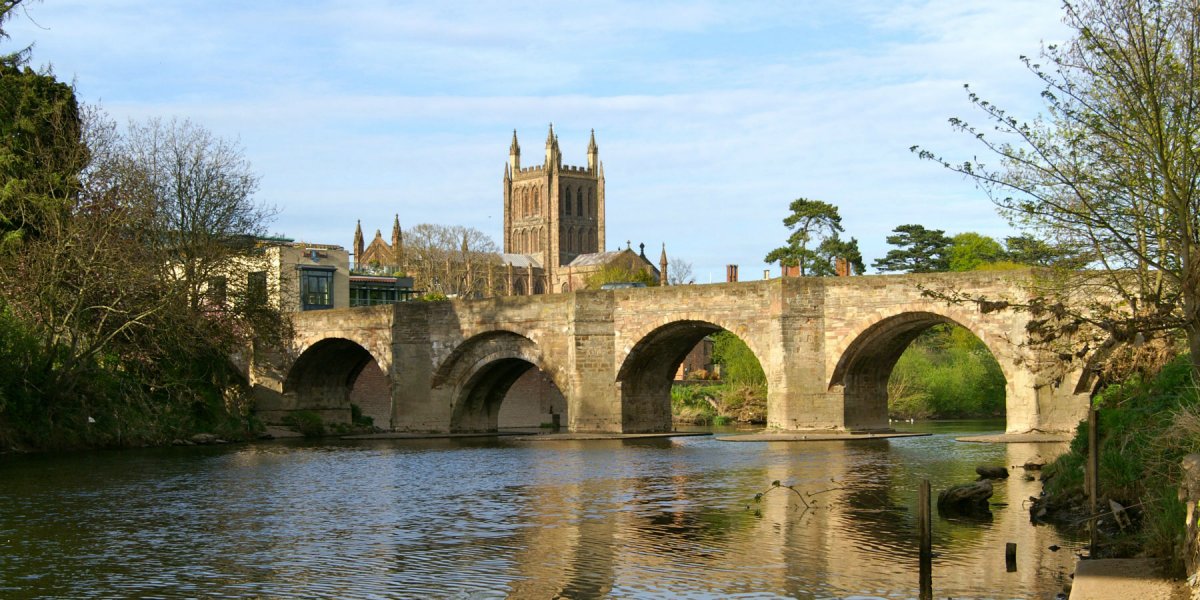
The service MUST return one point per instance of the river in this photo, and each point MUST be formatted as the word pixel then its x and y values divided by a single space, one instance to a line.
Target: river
pixel 498 517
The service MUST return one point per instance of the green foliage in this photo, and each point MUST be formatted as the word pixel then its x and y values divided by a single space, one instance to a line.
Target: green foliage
pixel 1029 251
pixel 20 56
pixel 1110 165
pixel 98 343
pixel 719 403
pixel 808 220
pixel 620 272
pixel 306 422
pixel 833 248
pixel 692 404
pixel 946 373
pixel 1146 428
pixel 969 250
pixel 358 419
pixel 41 152
pixel 918 250
pixel 738 363
pixel 434 297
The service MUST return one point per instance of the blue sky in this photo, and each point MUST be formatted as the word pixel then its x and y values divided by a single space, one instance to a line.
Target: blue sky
pixel 710 116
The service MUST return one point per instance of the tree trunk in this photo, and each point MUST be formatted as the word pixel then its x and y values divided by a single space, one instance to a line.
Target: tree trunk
pixel 1193 337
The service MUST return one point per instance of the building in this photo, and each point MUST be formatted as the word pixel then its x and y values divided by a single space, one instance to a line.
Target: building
pixel 554 232
pixel 296 276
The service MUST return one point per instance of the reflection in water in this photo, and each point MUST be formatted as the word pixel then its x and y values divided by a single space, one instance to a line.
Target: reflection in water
pixel 502 518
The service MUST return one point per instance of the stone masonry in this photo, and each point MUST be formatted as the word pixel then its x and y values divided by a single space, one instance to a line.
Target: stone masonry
pixel 827 346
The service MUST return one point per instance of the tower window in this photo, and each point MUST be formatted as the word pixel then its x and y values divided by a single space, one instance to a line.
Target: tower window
pixel 579 202
pixel 567 201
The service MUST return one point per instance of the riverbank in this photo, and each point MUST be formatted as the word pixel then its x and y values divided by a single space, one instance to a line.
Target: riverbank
pixel 1146 427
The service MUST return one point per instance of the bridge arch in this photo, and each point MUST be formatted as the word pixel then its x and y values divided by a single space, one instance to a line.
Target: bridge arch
pixel 479 373
pixel 866 358
pixel 323 376
pixel 647 371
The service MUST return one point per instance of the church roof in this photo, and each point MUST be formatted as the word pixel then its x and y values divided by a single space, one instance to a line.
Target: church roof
pixel 597 258
pixel 520 260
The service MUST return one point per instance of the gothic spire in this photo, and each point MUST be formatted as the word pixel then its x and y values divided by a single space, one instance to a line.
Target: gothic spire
pixel 593 153
pixel 397 243
pixel 358 243
pixel 662 265
pixel 514 148
pixel 550 136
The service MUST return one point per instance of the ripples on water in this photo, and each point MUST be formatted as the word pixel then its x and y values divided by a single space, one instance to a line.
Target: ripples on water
pixel 496 518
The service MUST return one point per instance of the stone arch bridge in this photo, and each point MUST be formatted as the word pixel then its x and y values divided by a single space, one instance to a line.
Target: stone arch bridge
pixel 827 346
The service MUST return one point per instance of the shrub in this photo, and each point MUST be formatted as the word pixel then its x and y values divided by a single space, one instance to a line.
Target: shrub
pixel 1146 427
pixel 948 373
pixel 358 419
pixel 306 422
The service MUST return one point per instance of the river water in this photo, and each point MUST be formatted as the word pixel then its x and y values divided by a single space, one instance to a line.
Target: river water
pixel 497 517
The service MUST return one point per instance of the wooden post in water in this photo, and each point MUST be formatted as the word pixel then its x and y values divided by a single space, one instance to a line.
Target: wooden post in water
pixel 1093 477
pixel 925 525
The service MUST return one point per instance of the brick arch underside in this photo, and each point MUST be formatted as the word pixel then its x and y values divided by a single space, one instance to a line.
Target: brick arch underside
pixel 648 371
pixel 866 365
pixel 324 374
pixel 479 374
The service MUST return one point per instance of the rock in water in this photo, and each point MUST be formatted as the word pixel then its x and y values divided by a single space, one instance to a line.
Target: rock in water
pixel 204 439
pixel 986 472
pixel 965 497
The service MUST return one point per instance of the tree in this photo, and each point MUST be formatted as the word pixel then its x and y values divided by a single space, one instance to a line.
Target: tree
pixel 1027 250
pixel 918 250
pixel 99 343
pixel 969 250
pixel 679 272
pixel 19 57
pixel 1113 166
pixel 201 190
pixel 451 259
pixel 41 147
pixel 111 336
pixel 620 272
pixel 738 363
pixel 809 220
pixel 833 248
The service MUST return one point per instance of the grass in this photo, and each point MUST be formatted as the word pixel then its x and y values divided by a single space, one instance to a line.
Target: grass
pixel 1147 425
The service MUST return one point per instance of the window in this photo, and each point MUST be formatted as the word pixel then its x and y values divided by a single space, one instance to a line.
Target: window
pixel 316 289
pixel 217 288
pixel 256 288
pixel 567 200
pixel 579 202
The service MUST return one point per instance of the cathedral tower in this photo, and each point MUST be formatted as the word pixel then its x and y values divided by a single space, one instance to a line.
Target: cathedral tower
pixel 553 212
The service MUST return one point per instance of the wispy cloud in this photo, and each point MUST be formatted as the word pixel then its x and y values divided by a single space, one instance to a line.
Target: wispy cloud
pixel 711 116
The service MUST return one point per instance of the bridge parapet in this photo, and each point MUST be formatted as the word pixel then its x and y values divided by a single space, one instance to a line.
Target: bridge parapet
pixel 827 346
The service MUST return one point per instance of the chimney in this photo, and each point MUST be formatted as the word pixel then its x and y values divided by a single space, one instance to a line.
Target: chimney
pixel 841 266
pixel 731 274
